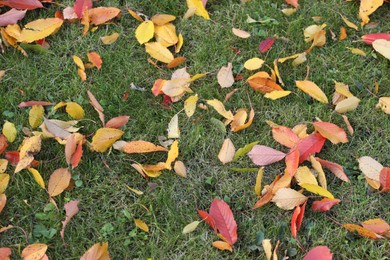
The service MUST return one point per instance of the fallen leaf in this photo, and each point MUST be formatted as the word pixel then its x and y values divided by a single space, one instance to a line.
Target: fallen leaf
pixel 75 110
pixel 23 4
pixel 384 104
pixel 332 132
pixel 274 95
pixel 244 150
pixel 370 167
pixel 34 103
pixel 98 251
pixel 239 118
pixel 3 165
pixel 321 174
pixel 285 136
pixel 349 126
pixel 370 38
pixel 176 62
pixel 190 105
pixel 253 64
pixel 3 202
pixel 198 8
pixel 59 181
pixel 335 168
pixel 12 17
pixel 159 52
pixel 55 129
pixel 208 219
pixel 80 6
pixel 227 151
pixel 142 147
pixel 367 7
pixel 101 15
pixel 364 232
pixel 241 33
pixel 343 33
pixel 305 175
pixel 312 90
pixel 259 177
pixel 39 29
pixel 95 59
pixel 289 11
pixel 267 246
pixel 287 199
pixel 9 131
pixel 34 251
pixel 141 225
pixel 37 177
pixel 319 253
pixel 324 205
pixel 263 155
pixel 265 45
pixel 117 122
pixel 173 127
pixel 224 220
pixel 283 182
pixel 357 51
pixel 190 227
pixel 35 117
pixel 5 253
pixel 292 162
pixel 144 32
pixel 30 147
pixel 180 42
pixel 180 169
pixel 3 143
pixel 172 154
pixel 313 143
pixel 110 39
pixel 262 82
pixel 161 19
pixel 4 179
pixel 347 105
pixel 104 138
pixel 317 190
pixel 222 245
pixel 220 108
pixel 96 105
pixel 293 224
pixel 377 225
pixel 384 179
pixel 71 209
pixel 350 24
pixel 225 76
pixel 293 3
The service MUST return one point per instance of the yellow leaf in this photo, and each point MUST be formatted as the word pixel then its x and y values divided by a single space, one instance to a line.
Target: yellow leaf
pixel 161 19
pixel 180 41
pixel 142 147
pixel 59 105
pixel 34 251
pixel 312 90
pixel 166 34
pixel 138 192
pixel 39 29
pixel 197 76
pixel 282 60
pixel 350 24
pixel 276 94
pixel 289 11
pixel 30 146
pixel 373 183
pixel 59 181
pixel 159 52
pixel 135 15
pixel 3 165
pixel 190 227
pixel 37 176
pixel 241 33
pixel 4 179
pixel 311 31
pixel 304 175
pixel 240 124
pixel 109 39
pixel 82 74
pixel 343 33
pixel 190 105
pixel 317 190
pixel 9 131
pixel 35 116
pixel 3 202
pixel 253 64
pixel 144 32
pixel 172 154
pixel 321 174
pixel 141 225
pixel 259 177
pixel 347 105
pixel 267 248
pixel 180 169
pixel 384 104
pixel 197 5
pixel 77 60
pixel 220 108
pixel 173 127
pixel 74 110
pixel 283 182
pixel 357 51
pixel 104 138
pixel 364 232
pixel 367 7
pixel 342 89
pixel 287 199
pixel 222 245
pixel 227 151
pixel 383 47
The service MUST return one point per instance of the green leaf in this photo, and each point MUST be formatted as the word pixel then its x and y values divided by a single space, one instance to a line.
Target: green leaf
pixel 244 150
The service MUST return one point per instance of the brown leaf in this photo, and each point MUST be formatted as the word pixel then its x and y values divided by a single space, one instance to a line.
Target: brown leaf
pixel 96 105
pixel 71 209
pixel 59 181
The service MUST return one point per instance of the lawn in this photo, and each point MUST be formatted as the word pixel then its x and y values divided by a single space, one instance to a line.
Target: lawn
pixel 108 207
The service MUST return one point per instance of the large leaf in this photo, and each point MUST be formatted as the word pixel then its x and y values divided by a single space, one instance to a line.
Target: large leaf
pixel 98 251
pixel 142 147
pixel 224 220
pixel 80 6
pixel 324 205
pixel 312 90
pixel 11 17
pixel 104 138
pixel 335 168
pixel 39 29
pixel 263 155
pixel 34 251
pixel 309 145
pixel 319 253
pixel 159 52
pixel 367 7
pixel 287 199
pixel 23 4
pixel 376 225
pixel 59 181
pixel 101 15
pixel 198 8
pixel 364 232
pixel 332 132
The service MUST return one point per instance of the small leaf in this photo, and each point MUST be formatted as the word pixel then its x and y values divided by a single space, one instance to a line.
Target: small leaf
pixel 335 168
pixel 265 45
pixel 190 227
pixel 180 169
pixel 253 64
pixel 159 52
pixel 95 59
pixel 37 176
pixel 347 105
pixel 376 225
pixel 35 117
pixel 277 94
pixel 172 154
pixel 312 90
pixel 364 232
pixel 384 104
pixel 244 150
pixel 227 151
pixel 75 110
pixel 9 131
pixel 293 225
pixel 370 167
pixel 4 179
pixel 190 105
pixel 292 162
pixel 319 252
pixel 141 225
pixel 220 108
pixel 287 199
pixel 222 245
pixel 208 219
pixel 59 181
pixel 384 179
pixel 324 205
pixel 5 253
pixel 241 33
pixel 104 138
pixel 34 251
pixel 109 39
pixel 266 243
pixel 350 24
pixel 39 29
pixel 97 251
pixel 259 177
pixel 317 190
pixel 263 155
pixel 3 202
pixel 285 136
pixel 101 15
pixel 173 127
pixel 225 76
pixel 304 175
pixel 117 122
pixel 71 209
pixel 198 8
pixel 311 144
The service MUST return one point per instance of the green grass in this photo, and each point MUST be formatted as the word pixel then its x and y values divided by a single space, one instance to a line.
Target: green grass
pixel 172 205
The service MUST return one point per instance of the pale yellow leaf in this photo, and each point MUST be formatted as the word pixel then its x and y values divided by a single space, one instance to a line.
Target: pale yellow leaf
pixel 74 110
pixel 289 11
pixel 173 153
pixel 321 174
pixel 274 95
pixel 9 131
pixel 300 59
pixel 197 5
pixel 312 90
pixel 304 175
pixel 282 60
pixel 190 105
pixel 35 116
pixel 109 39
pixel 267 248
pixel 141 225
pixel 37 176
pixel 180 169
pixel 3 165
pixel 39 29
pixel 342 89
pixel 383 47
pixel 225 76
pixel 287 199
pixel 190 227
pixel 384 104
pixel 357 51
pixel 253 64
pixel 317 190
pixel 220 108
pixel 159 52
pixel 347 105
pixel 4 179
pixel 370 167
pixel 227 151
pixel 259 177
pixel 350 24
pixel 241 33
pixel 311 31
pixel 138 192
pixel 173 127
pixel 104 138
pixel 176 87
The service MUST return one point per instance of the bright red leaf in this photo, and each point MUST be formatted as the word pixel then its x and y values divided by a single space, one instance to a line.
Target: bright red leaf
pixel 224 220
pixel 301 215
pixel 309 145
pixel 384 179
pixel 23 4
pixel 11 17
pixel 370 38
pixel 265 45
pixel 80 6
pixel 293 225
pixel 335 168
pixel 208 219
pixel 324 204
pixel 264 155
pixel 319 253
pixel 292 162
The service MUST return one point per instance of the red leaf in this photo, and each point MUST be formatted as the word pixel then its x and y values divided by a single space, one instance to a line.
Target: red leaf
pixel 224 220
pixel 384 179
pixel 167 100
pixel 208 219
pixel 285 136
pixel 300 216
pixel 309 145
pixel 265 45
pixel 95 59
pixel 295 215
pixel 5 252
pixel 370 38
pixel 117 122
pixel 13 159
pixel 264 155
pixel 80 6
pixel 292 162
pixel 3 143
pixel 23 4
pixel 319 253
pixel 335 168
pixel 76 158
pixel 324 204
pixel 34 103
pixel 11 17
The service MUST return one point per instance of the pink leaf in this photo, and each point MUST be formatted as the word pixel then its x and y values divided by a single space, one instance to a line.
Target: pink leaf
pixel 309 145
pixel 5 252
pixel 71 209
pixel 384 179
pixel 224 220
pixel 324 204
pixel 80 6
pixel 264 155
pixel 23 4
pixel 11 17
pixel 34 103
pixel 335 168
pixel 208 219
pixel 265 45
pixel 117 122
pixel 370 38
pixel 319 253
pixel 293 3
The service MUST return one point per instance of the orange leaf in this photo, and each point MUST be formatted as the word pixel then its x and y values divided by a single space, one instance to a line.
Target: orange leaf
pixel 95 59
pixel 222 245
pixel 293 224
pixel 59 181
pixel 384 179
pixel 376 225
pixel 267 197
pixel 71 209
pixel 157 87
pixel 5 253
pixel 364 232
pixel 292 162
pixel 176 62
pixel 34 251
pixel 285 136
pixel 331 132
pixel 293 3
pixel 102 15
pixel 324 205
pixel 142 147
pixel 335 168
pixel 97 252
pixel 117 122
pixel 264 85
